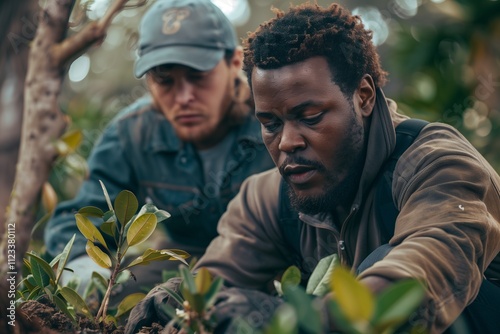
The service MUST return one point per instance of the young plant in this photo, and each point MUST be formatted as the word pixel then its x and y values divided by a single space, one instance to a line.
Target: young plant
pixel 197 299
pixel 43 279
pixel 124 229
pixel 353 307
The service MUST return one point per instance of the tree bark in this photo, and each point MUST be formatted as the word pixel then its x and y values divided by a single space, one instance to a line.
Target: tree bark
pixel 18 26
pixel 43 122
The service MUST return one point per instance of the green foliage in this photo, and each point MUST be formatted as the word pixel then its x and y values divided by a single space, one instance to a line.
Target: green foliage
pixel 197 299
pixel 42 279
pixel 126 228
pixel 350 304
pixel 319 282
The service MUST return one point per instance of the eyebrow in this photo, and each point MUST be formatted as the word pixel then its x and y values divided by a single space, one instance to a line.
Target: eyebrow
pixel 295 110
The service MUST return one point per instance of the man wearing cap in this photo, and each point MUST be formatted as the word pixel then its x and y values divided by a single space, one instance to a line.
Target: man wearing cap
pixel 186 148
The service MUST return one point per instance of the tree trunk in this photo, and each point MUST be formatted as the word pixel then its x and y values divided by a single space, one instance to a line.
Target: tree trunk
pixel 43 124
pixel 17 25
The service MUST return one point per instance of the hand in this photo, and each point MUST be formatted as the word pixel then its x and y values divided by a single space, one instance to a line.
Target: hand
pixel 253 307
pixel 150 309
pixel 83 267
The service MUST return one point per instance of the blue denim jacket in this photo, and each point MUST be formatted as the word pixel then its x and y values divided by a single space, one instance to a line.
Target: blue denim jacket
pixel 140 152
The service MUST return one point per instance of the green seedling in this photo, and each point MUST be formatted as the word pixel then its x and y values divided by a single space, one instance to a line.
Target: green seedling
pixel 352 306
pixel 123 228
pixel 43 279
pixel 197 298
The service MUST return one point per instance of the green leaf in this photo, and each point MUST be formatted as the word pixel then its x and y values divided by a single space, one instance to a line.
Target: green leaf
pixel 340 320
pixel 174 295
pixel 41 270
pixel 91 211
pixel 396 303
pixel 31 280
pixel 27 264
pixel 88 230
pixel 355 299
pixel 122 277
pixel 291 278
pixel 319 282
pixel 128 303
pixel 203 281
pixel 54 263
pixel 26 283
pixel 168 310
pixel 212 291
pixel 284 321
pixel 162 215
pixel 277 286
pixel 151 255
pixel 126 205
pixel 36 292
pixel 74 299
pixel 100 282
pixel 97 255
pixel 187 279
pixel 309 318
pixel 63 306
pixel 110 228
pixel 106 195
pixel 147 208
pixel 109 216
pixel 63 259
pixel 141 229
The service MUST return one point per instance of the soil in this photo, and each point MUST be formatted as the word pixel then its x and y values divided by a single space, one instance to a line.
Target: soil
pixel 43 317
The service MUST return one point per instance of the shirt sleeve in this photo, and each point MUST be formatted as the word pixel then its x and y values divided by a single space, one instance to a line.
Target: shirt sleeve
pixel 448 228
pixel 249 251
pixel 109 163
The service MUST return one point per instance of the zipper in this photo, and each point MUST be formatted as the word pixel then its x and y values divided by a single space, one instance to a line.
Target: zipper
pixel 344 258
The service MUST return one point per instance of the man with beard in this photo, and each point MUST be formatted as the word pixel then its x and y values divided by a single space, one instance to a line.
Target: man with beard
pixel 316 81
pixel 186 148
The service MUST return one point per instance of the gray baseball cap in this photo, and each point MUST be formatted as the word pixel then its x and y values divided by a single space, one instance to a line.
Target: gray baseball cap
pixel 194 33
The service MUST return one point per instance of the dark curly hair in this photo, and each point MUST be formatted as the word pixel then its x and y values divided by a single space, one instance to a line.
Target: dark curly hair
pixel 309 30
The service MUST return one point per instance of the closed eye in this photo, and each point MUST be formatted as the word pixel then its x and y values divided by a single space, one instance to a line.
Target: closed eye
pixel 314 119
pixel 271 126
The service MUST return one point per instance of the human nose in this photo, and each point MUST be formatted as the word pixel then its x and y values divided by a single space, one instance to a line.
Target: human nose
pixel 291 140
pixel 184 92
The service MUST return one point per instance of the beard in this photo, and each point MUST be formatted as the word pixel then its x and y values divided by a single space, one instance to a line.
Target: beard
pixel 335 191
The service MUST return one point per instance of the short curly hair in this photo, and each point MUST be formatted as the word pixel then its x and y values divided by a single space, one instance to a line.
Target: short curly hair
pixel 308 30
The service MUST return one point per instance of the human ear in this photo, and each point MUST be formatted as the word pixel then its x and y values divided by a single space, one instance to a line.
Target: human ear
pixel 365 95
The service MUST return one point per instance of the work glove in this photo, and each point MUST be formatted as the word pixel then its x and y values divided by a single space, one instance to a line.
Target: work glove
pixel 233 309
pixel 237 309
pixel 151 309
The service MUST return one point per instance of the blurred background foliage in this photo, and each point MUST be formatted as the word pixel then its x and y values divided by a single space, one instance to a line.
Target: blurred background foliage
pixel 443 57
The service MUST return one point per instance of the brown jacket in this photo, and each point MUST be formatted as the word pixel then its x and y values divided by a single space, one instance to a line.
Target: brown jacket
pixel 447 232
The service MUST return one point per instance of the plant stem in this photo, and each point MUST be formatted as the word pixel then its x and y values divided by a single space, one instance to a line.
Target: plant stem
pixel 112 280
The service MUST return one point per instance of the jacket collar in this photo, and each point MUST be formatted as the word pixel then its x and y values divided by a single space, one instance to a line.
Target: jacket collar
pixel 381 143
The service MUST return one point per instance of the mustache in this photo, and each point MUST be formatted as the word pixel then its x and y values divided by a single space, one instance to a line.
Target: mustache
pixel 300 161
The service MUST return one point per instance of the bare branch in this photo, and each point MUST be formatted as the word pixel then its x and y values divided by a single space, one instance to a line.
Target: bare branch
pixel 75 45
pixel 93 32
pixel 115 8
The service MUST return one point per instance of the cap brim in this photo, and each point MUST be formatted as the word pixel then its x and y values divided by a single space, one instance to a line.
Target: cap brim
pixel 201 59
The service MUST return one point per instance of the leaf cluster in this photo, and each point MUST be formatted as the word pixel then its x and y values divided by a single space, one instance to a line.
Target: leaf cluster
pixel 197 298
pixel 351 305
pixel 126 228
pixel 43 279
